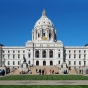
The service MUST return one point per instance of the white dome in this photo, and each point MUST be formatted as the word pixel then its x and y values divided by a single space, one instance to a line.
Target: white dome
pixel 44 21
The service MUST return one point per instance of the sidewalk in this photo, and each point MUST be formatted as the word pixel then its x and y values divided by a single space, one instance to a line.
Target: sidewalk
pixel 44 82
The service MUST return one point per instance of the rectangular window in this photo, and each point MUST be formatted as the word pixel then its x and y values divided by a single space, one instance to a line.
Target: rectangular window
pixel 8 62
pixel 8 51
pixel 29 55
pixel 69 55
pixel 84 55
pixel 13 51
pixel 18 62
pixel 79 55
pixel 3 56
pixel 79 62
pixel 23 51
pixel 74 62
pixel 18 55
pixel 69 62
pixel 84 62
pixel 13 62
pixel 79 51
pixel 3 51
pixel 74 55
pixel 74 51
pixel 69 51
pixel 8 56
pixel 13 56
pixel 18 51
pixel 84 51
pixel 23 55
pixel 59 55
pixel 43 34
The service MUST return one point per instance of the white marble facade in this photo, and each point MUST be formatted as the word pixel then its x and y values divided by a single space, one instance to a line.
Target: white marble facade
pixel 45 49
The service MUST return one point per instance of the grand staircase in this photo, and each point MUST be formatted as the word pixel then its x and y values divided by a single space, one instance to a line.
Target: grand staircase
pixel 48 68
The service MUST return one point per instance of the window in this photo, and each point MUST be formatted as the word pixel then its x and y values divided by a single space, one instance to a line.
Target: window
pixel 13 56
pixel 79 62
pixel 13 62
pixel 79 51
pixel 18 55
pixel 69 51
pixel 13 51
pixel 23 55
pixel 8 51
pixel 3 56
pixel 38 35
pixel 37 54
pixel 29 55
pixel 69 62
pixel 74 55
pixel 84 51
pixel 74 51
pixel 84 62
pixel 18 62
pixel 18 51
pixel 74 62
pixel 51 54
pixel 59 62
pixel 69 55
pixel 49 35
pixel 3 51
pixel 8 62
pixel 79 55
pixel 44 54
pixel 84 55
pixel 8 56
pixel 43 34
pixel 28 62
pixel 59 55
pixel 23 51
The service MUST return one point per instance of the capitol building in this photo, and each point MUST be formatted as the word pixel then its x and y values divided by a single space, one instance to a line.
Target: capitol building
pixel 44 49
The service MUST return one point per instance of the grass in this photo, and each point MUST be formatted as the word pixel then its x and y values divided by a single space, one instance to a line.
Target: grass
pixel 44 77
pixel 44 86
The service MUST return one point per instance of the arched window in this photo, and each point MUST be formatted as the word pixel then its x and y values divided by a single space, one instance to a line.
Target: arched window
pixel 51 63
pixel 49 35
pixel 38 35
pixel 44 63
pixel 37 54
pixel 37 63
pixel 59 62
pixel 44 54
pixel 29 62
pixel 51 54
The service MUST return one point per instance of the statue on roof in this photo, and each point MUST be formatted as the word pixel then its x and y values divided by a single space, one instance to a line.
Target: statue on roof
pixel 44 13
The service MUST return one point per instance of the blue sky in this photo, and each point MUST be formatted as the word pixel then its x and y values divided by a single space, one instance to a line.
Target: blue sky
pixel 18 17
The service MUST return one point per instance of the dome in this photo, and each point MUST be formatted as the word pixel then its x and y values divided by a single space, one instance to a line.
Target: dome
pixel 44 21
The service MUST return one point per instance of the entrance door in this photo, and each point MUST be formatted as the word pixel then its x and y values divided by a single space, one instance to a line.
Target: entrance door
pixel 44 63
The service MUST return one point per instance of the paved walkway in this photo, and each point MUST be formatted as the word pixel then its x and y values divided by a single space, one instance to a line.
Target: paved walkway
pixel 44 82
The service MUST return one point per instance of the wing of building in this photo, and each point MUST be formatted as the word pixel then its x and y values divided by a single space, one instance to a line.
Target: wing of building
pixel 44 49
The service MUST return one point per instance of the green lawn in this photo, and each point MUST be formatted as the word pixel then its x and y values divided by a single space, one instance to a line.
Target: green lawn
pixel 44 77
pixel 37 86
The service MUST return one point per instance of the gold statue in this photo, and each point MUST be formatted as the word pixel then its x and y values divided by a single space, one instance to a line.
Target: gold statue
pixel 44 38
